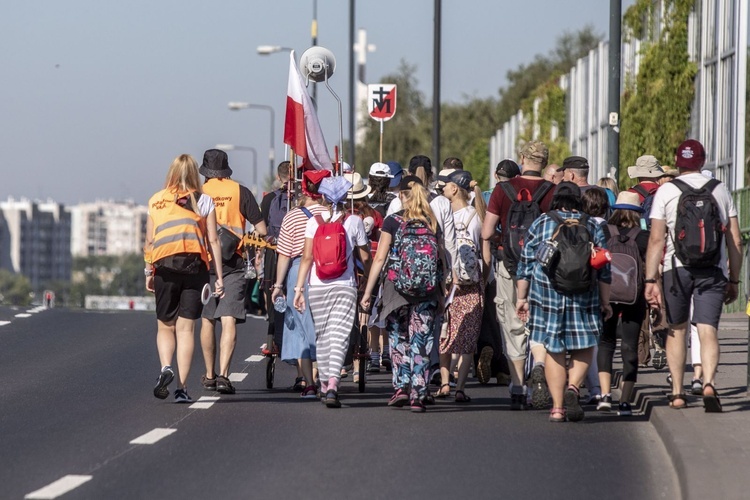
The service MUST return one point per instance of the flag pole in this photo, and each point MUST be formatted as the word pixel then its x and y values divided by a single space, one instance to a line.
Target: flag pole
pixel 381 140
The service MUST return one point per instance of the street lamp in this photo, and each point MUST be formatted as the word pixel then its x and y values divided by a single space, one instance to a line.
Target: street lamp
pixel 237 106
pixel 266 50
pixel 232 147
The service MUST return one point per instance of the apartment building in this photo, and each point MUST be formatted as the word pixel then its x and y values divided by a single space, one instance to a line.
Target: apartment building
pixel 108 228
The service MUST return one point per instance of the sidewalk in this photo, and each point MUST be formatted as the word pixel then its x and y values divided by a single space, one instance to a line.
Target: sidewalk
pixel 710 451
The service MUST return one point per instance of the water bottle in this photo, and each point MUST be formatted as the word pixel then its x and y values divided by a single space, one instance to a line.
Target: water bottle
pixel 280 304
pixel 250 272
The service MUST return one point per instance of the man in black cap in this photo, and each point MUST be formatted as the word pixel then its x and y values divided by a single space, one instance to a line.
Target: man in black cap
pixel 576 170
pixel 235 205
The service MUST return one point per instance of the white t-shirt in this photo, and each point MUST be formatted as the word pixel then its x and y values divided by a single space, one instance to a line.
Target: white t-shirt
pixel 664 207
pixel 441 206
pixel 473 231
pixel 355 237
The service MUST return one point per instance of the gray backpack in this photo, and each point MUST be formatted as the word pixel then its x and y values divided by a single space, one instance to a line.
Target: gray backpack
pixel 626 266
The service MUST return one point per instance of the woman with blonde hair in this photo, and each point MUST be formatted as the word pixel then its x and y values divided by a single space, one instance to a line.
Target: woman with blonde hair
pixel 181 219
pixel 610 187
pixel 467 304
pixel 411 252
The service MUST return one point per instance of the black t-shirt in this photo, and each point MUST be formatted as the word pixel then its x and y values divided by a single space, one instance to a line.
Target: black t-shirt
pixel 251 212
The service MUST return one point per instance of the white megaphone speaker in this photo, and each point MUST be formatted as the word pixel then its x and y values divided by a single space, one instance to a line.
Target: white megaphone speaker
pixel 317 63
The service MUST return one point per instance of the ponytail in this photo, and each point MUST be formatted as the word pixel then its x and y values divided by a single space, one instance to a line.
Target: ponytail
pixel 479 204
pixel 417 205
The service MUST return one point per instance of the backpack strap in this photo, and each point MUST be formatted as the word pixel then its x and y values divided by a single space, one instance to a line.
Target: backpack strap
pixel 556 217
pixel 509 190
pixel 642 191
pixel 306 212
pixel 541 191
pixel 319 220
pixel 633 233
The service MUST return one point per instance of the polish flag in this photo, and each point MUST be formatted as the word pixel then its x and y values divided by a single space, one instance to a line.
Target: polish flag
pixel 302 130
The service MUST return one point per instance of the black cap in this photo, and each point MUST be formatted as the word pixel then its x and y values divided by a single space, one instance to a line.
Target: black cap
pixel 567 189
pixel 404 185
pixel 461 178
pixel 508 168
pixel 574 162
pixel 419 161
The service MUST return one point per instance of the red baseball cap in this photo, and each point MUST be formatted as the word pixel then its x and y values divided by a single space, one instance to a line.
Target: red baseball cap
pixel 690 155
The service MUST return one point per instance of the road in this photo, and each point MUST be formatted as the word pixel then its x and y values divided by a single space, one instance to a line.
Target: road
pixel 77 389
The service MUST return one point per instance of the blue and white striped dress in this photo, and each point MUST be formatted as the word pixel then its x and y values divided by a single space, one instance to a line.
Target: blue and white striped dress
pixel 560 322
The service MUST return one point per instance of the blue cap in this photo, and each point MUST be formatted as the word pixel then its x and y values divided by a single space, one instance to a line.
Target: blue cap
pixel 396 172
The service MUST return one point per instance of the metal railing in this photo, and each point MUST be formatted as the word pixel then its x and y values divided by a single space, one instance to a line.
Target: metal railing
pixel 742 202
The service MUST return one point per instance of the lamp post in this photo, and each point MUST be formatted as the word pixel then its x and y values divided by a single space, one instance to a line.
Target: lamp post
pixel 266 50
pixel 237 106
pixel 232 147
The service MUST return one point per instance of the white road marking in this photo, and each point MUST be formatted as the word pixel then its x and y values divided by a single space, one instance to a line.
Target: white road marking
pixel 23 315
pixel 255 358
pixel 237 377
pixel 153 436
pixel 3 323
pixel 204 403
pixel 59 487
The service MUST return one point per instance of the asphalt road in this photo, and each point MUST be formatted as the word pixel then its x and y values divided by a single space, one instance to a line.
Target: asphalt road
pixel 77 389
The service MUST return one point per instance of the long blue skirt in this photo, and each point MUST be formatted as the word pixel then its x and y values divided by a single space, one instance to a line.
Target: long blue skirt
pixel 299 330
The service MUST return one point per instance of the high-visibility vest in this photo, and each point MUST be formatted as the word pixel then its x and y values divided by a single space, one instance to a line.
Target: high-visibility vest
pixel 176 229
pixel 226 196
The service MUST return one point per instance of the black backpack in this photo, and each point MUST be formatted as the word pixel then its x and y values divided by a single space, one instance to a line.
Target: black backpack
pixel 648 200
pixel 698 231
pixel 626 265
pixel 571 272
pixel 277 211
pixel 524 209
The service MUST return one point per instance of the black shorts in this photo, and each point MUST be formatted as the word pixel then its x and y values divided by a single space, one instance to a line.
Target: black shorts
pixel 178 294
pixel 706 285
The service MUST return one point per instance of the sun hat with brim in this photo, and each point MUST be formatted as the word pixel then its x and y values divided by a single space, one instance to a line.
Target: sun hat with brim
pixel 646 166
pixel 396 171
pixel 378 169
pixel 406 182
pixel 215 164
pixel 359 189
pixel 627 200
pixel 334 189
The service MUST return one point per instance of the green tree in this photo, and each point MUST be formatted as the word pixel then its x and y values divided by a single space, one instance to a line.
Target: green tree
pixel 15 289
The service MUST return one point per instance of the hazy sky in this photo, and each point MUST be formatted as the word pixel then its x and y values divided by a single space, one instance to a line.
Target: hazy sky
pixel 98 96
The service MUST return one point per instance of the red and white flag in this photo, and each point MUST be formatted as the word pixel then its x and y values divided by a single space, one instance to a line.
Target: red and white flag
pixel 301 126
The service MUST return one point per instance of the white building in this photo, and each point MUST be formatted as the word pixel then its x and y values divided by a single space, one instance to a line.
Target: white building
pixel 108 228
pixel 35 240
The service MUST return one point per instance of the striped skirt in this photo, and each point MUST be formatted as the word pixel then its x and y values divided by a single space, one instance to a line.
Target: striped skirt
pixel 333 311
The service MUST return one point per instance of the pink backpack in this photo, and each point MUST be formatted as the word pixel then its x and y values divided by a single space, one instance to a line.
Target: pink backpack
pixel 329 248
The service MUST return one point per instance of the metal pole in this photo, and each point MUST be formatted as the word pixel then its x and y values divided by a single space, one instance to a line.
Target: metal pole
pixel 613 97
pixel 314 35
pixel 436 85
pixel 352 97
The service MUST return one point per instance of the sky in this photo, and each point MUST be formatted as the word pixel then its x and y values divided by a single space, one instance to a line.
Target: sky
pixel 99 96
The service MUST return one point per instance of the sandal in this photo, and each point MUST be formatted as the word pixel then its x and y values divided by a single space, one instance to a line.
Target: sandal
pixel 443 395
pixel 557 415
pixel 677 397
pixel 299 384
pixel 461 397
pixel 711 401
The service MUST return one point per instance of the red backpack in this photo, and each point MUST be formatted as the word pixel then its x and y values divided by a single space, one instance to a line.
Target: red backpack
pixel 329 248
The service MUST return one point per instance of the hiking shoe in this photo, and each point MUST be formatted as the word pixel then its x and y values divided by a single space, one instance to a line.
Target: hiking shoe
pixel 484 368
pixel 591 399
pixel 417 406
pixel 605 403
pixel 332 399
pixel 309 392
pixel 223 385
pixel 399 398
pixel 624 409
pixel 165 378
pixel 517 401
pixel 181 396
pixel 659 359
pixel 696 387
pixel 539 390
pixel 209 384
pixel 572 406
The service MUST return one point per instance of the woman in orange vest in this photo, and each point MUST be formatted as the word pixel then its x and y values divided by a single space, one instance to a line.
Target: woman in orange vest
pixel 180 220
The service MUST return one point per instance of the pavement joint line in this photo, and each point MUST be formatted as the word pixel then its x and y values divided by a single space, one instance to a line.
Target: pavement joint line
pixel 153 436
pixel 255 358
pixel 237 377
pixel 23 315
pixel 59 487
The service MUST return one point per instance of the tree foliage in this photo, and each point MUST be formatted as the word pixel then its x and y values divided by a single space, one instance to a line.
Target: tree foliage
pixel 15 289
pixel 656 106
pixel 106 275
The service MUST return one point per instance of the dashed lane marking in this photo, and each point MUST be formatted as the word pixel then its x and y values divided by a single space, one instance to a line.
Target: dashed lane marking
pixel 237 377
pixel 3 323
pixel 59 487
pixel 255 358
pixel 204 403
pixel 153 436
pixel 23 315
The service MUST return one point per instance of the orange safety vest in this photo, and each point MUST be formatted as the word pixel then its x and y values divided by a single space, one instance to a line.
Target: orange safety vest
pixel 176 229
pixel 226 196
